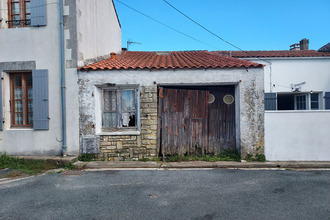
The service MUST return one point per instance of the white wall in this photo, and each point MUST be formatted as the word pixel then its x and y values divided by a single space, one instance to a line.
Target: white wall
pixel 302 135
pixel 99 32
pixel 249 97
pixel 297 135
pixel 286 71
pixel 41 45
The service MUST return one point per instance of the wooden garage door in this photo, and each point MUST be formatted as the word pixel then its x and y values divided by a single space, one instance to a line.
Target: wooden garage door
pixel 183 121
pixel 196 121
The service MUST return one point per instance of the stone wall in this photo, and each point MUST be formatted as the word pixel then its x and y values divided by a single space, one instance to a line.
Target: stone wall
pixel 134 147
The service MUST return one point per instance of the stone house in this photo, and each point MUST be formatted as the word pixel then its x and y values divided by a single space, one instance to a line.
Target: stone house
pixel 297 101
pixel 145 104
pixel 42 44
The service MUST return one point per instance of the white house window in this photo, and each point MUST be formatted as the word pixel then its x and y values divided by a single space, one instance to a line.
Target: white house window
pixel 293 101
pixel 19 13
pixel 300 102
pixel 21 100
pixel 120 108
pixel 315 101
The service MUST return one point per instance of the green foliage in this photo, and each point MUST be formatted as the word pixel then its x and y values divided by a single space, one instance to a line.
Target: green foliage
pixel 257 158
pixel 227 155
pixel 87 157
pixel 157 159
pixel 260 158
pixel 70 166
pixel 25 165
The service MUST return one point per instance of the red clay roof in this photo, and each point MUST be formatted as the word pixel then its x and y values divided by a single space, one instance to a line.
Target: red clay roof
pixel 169 60
pixel 273 53
pixel 325 48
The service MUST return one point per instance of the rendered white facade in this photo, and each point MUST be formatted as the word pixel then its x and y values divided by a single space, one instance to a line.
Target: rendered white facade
pixel 297 134
pixel 27 48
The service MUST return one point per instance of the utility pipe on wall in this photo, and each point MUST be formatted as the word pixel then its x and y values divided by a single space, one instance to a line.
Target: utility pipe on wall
pixel 62 63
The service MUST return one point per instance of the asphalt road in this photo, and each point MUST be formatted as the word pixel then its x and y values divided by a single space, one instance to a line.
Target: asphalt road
pixel 169 194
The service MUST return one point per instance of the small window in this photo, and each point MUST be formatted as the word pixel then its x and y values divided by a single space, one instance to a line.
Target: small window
pixel 301 102
pixel 315 101
pixel 19 13
pixel 120 108
pixel 228 99
pixel 21 100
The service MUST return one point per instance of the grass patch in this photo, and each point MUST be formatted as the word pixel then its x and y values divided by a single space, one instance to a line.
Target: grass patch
pixel 257 158
pixel 227 155
pixel 27 166
pixel 87 157
pixel 156 159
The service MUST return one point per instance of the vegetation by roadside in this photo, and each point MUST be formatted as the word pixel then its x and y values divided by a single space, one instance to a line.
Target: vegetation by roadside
pixel 227 155
pixel 257 158
pixel 23 167
pixel 87 157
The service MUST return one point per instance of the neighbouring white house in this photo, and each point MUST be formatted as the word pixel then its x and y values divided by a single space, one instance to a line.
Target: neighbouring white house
pixel 297 101
pixel 42 44
pixel 146 104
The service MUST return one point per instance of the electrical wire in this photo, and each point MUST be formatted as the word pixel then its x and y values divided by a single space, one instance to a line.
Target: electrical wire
pixel 180 32
pixel 210 31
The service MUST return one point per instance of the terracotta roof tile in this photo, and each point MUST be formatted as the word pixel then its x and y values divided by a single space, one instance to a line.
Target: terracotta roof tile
pixel 273 53
pixel 325 48
pixel 169 60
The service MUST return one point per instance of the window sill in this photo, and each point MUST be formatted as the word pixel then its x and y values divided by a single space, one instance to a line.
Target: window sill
pixel 116 133
pixel 20 129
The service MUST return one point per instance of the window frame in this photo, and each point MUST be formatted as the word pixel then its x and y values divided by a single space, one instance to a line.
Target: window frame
pixel 313 101
pixel 25 99
pixel 23 22
pixel 301 103
pixel 119 127
pixel 308 102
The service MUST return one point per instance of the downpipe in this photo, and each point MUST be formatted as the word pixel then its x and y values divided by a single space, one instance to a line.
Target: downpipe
pixel 62 63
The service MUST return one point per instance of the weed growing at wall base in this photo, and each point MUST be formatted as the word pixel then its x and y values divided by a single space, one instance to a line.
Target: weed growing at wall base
pixel 257 158
pixel 87 157
pixel 21 165
pixel 227 155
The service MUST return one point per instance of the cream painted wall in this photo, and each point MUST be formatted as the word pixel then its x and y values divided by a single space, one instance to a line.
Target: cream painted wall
pixel 41 45
pixel 99 32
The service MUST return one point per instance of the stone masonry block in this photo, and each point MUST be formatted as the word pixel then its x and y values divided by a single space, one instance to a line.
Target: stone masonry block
pixel 119 145
pixel 149 110
pixel 143 100
pixel 111 147
pixel 149 88
pixel 153 127
pixel 145 142
pixel 151 147
pixel 149 137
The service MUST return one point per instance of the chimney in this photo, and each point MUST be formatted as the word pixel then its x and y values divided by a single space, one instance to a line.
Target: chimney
pixel 294 47
pixel 304 44
pixel 113 56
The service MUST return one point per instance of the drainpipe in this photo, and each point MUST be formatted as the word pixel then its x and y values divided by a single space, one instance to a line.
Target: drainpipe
pixel 63 106
pixel 270 77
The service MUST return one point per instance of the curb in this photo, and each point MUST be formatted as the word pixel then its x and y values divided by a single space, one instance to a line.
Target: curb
pixel 203 164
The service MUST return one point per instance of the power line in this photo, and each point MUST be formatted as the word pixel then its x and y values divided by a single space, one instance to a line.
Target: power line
pixel 209 30
pixel 180 32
